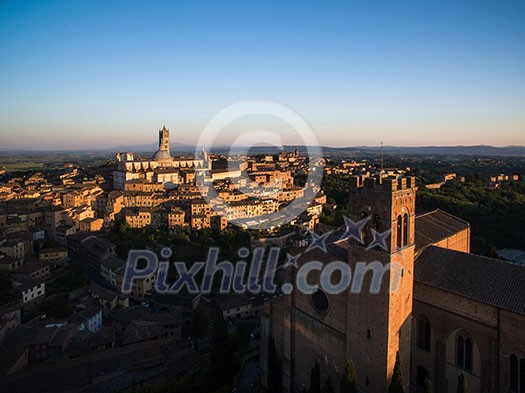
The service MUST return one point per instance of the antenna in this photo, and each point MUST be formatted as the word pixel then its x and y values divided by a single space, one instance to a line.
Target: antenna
pixel 382 162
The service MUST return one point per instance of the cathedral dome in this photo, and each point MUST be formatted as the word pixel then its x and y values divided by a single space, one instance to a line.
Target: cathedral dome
pixel 161 155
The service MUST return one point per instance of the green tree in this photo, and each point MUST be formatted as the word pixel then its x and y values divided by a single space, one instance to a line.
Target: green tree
pixel 222 352
pixel 7 293
pixel 274 369
pixel 462 384
pixel 427 387
pixel 200 321
pixel 327 387
pixel 396 386
pixel 348 382
pixel 124 227
pixel 315 379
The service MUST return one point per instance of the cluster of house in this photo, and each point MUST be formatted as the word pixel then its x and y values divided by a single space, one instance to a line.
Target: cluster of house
pixel 204 191
pixel 346 167
pixel 109 344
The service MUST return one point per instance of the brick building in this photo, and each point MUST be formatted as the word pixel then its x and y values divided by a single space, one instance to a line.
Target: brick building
pixel 453 312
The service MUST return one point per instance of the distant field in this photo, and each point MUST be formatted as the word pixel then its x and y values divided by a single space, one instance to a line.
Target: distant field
pixel 35 161
pixel 21 166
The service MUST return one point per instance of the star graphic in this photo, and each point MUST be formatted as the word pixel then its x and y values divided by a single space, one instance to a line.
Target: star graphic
pixel 318 241
pixel 291 260
pixel 379 239
pixel 354 229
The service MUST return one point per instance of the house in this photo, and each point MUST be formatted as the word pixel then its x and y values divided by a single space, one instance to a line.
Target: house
pixel 8 263
pixel 62 233
pixel 110 268
pixel 10 316
pixel 140 286
pixel 53 256
pixel 32 271
pixel 97 250
pixel 32 292
pixel 169 323
pixel 235 307
pixel 91 224
pixel 89 319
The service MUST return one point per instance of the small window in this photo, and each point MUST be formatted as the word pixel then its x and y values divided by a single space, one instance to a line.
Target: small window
pixel 368 334
pixel 399 232
pixel 424 335
pixel 405 230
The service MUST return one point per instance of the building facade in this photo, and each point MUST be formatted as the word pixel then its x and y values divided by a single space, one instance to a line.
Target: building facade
pixel 445 311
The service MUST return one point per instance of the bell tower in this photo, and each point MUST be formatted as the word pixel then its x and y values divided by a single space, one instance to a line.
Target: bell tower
pixel 164 139
pixel 378 324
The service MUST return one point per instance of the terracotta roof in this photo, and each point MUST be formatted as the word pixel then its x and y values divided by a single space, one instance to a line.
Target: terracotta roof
pixel 486 280
pixel 435 226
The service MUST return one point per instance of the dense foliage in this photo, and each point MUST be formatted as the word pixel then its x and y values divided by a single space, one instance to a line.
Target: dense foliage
pixel 496 216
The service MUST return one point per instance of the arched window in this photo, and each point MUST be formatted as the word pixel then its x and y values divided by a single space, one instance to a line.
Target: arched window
pixel 399 232
pixel 468 354
pixel 423 335
pixel 517 374
pixel 460 348
pixel 405 230
pixel 464 353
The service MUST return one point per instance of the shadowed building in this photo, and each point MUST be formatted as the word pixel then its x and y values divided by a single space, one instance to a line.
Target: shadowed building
pixel 444 310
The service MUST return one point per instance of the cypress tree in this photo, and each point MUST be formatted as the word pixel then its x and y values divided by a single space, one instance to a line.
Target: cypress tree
pixel 327 387
pixel 396 386
pixel 348 382
pixel 462 384
pixel 274 369
pixel 427 387
pixel 222 352
pixel 315 379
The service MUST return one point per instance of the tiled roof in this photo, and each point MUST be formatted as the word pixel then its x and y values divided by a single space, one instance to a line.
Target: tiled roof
pixel 490 281
pixel 435 226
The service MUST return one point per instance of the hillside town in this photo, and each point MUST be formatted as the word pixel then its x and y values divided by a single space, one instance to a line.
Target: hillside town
pixel 65 236
pixel 62 272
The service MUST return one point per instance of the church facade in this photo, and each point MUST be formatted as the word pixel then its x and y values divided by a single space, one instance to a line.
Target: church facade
pixel 162 167
pixel 453 312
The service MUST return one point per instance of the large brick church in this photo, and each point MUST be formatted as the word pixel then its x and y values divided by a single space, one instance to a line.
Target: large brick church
pixel 453 312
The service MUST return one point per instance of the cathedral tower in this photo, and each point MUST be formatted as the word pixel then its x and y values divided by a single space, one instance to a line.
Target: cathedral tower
pixel 163 154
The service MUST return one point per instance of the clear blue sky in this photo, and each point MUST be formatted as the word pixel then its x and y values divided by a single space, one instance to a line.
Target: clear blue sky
pixel 105 73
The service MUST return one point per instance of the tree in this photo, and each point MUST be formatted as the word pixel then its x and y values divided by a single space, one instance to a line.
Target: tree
pixel 327 387
pixel 462 384
pixel 7 293
pixel 200 321
pixel 274 369
pixel 348 382
pixel 222 352
pixel 315 379
pixel 427 387
pixel 396 386
pixel 124 227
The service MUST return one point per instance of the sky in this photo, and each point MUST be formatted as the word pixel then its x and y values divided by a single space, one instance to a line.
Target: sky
pixel 90 74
